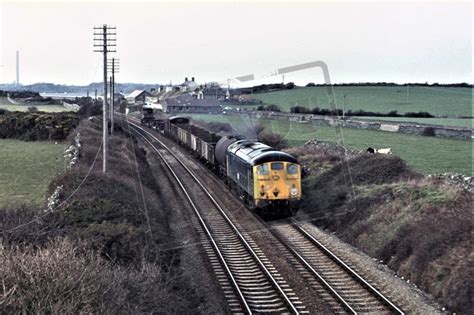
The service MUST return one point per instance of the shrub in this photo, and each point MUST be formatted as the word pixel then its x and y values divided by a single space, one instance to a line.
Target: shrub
pixel 66 278
pixel 273 108
pixel 275 140
pixel 428 132
pixel 269 108
pixel 300 110
pixel 418 115
pixel 32 109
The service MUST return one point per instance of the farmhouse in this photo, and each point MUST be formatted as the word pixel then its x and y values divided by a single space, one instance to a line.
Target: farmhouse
pixel 187 103
pixel 214 92
pixel 137 97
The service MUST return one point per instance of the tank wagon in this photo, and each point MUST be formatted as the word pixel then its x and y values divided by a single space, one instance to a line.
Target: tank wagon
pixel 267 180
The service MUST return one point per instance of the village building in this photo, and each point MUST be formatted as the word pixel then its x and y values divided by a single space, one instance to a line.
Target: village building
pixel 188 103
pixel 137 97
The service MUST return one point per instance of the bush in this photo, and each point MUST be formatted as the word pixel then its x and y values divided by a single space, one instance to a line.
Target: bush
pixel 37 126
pixel 418 115
pixel 90 109
pixel 275 140
pixel 32 109
pixel 269 108
pixel 65 278
pixel 428 132
pixel 300 110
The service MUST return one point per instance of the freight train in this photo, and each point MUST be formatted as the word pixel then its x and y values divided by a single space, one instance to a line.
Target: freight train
pixel 266 180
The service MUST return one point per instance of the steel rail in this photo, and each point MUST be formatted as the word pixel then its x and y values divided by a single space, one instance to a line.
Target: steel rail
pixel 204 226
pixel 315 273
pixel 275 284
pixel 348 269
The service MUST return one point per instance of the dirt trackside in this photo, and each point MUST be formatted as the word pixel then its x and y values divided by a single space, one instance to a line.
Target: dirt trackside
pixel 419 227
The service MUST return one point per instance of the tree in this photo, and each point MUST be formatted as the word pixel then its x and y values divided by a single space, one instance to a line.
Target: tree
pixel 275 140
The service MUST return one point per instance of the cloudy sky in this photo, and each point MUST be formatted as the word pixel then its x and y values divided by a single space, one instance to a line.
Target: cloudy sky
pixel 158 42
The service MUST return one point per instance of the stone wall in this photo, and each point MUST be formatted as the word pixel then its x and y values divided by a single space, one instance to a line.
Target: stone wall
pixel 386 126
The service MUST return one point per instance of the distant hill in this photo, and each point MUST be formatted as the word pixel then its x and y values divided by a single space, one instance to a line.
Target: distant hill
pixel 60 88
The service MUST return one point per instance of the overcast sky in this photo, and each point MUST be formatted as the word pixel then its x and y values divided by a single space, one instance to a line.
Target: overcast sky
pixel 159 42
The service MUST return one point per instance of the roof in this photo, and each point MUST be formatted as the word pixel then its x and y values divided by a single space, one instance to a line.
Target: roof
pixel 255 153
pixel 190 85
pixel 213 91
pixel 136 93
pixel 153 106
pixel 188 100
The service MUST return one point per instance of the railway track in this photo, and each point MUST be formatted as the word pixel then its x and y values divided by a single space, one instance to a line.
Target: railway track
pixel 248 279
pixel 350 293
pixel 338 284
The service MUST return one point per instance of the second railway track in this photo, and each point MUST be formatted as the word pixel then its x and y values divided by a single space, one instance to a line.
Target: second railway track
pixel 351 292
pixel 249 280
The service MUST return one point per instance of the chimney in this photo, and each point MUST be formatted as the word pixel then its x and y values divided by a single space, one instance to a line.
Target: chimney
pixel 17 69
pixel 192 79
pixel 186 79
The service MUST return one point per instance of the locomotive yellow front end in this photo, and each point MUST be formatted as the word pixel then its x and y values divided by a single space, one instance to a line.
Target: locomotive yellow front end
pixel 277 183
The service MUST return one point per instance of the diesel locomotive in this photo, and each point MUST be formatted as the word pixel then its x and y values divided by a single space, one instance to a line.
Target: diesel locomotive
pixel 265 179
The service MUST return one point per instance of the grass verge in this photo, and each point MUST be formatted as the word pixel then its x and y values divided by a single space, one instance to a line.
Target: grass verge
pixel 27 169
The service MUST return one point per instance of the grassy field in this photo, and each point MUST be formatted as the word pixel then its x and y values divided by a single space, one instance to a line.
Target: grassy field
pixel 27 169
pixel 42 108
pixel 452 122
pixel 425 154
pixel 5 104
pixel 435 100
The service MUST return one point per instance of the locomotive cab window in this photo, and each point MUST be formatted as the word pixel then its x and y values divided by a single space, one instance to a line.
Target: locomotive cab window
pixel 277 166
pixel 262 169
pixel 292 169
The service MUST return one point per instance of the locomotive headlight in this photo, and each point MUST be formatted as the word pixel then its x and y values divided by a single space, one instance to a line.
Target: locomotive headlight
pixel 294 191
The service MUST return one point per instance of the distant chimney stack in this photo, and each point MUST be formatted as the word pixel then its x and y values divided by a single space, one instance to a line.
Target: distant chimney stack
pixel 17 69
pixel 192 79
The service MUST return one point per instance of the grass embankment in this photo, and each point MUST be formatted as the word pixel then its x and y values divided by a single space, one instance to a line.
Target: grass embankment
pixel 419 227
pixel 98 252
pixel 27 170
pixel 383 99
pixel 425 154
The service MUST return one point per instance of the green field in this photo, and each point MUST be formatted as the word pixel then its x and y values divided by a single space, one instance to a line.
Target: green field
pixel 5 104
pixel 41 108
pixel 426 154
pixel 451 102
pixel 452 122
pixel 27 168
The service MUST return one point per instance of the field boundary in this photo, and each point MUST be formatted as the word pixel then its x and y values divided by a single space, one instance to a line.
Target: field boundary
pixel 419 129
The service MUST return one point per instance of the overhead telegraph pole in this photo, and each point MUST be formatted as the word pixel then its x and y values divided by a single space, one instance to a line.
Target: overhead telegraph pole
pixel 104 42
pixel 113 66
